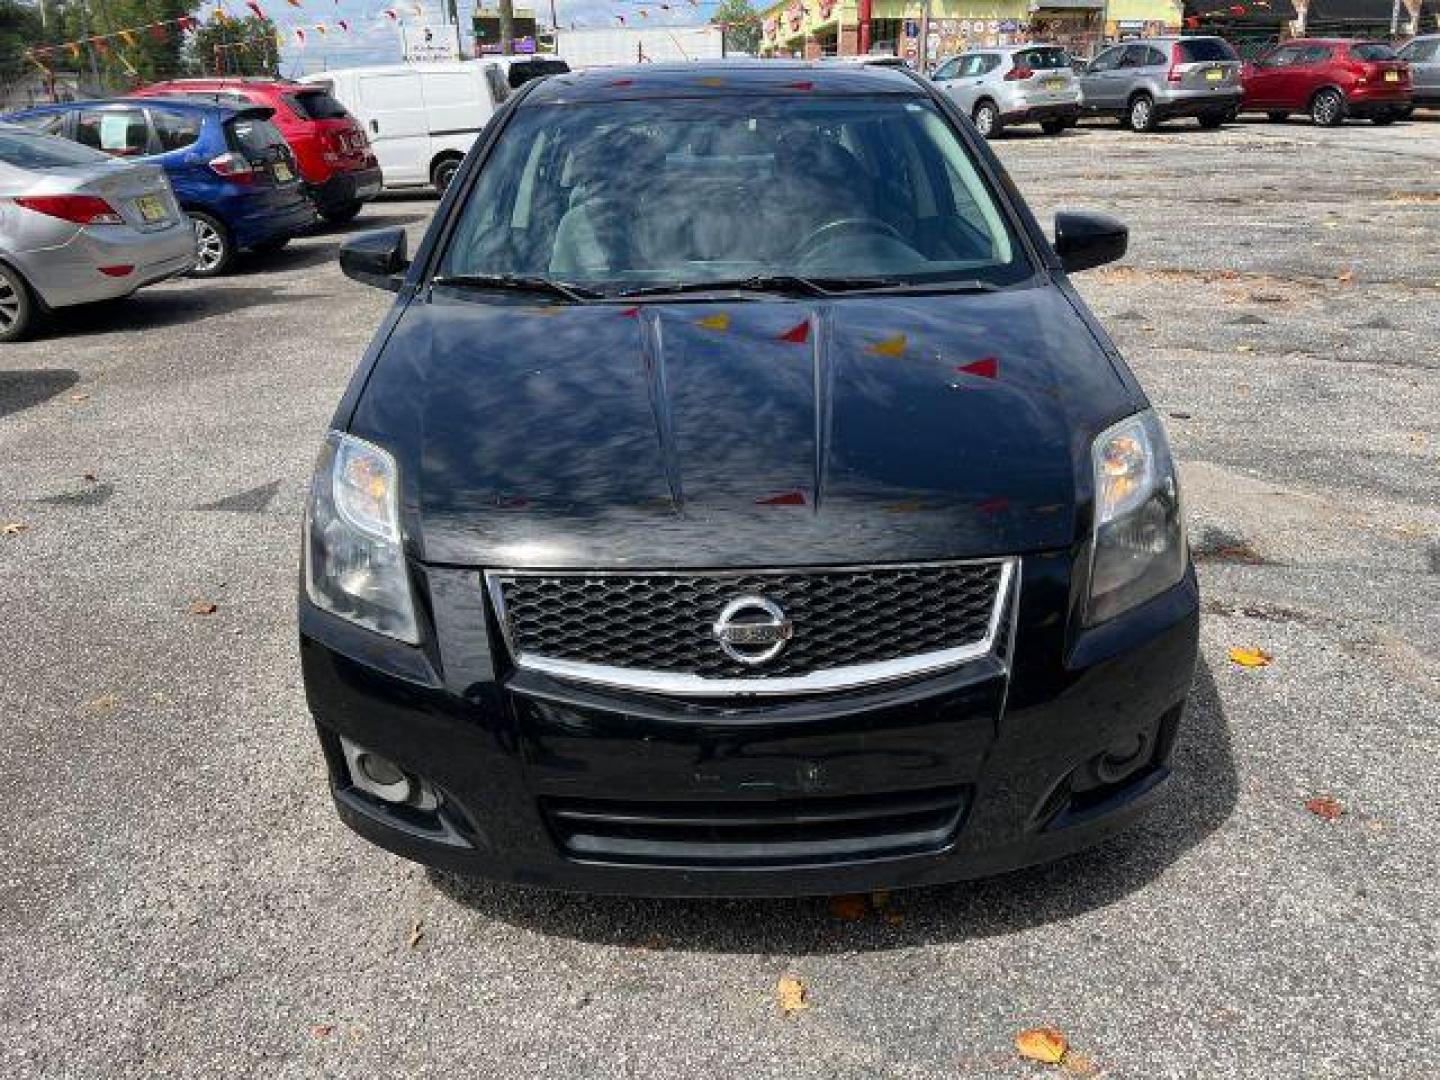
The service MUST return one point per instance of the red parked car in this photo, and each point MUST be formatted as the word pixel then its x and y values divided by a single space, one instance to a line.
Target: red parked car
pixel 1330 79
pixel 331 150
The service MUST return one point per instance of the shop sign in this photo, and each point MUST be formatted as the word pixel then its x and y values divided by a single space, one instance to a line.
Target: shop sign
pixel 912 28
pixel 1009 26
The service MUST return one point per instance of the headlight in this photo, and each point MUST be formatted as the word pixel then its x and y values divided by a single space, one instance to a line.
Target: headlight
pixel 1138 546
pixel 354 561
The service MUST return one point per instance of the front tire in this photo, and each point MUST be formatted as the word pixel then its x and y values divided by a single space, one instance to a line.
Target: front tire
pixel 987 119
pixel 1327 108
pixel 17 306
pixel 341 214
pixel 214 249
pixel 443 172
pixel 1141 117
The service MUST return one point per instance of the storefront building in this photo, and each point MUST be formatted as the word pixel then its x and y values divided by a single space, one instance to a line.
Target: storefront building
pixel 814 28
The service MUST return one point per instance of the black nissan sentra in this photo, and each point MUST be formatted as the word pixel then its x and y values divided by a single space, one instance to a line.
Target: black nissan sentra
pixel 738 499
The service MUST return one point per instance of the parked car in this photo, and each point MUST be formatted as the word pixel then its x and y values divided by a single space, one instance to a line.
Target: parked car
pixel 1423 56
pixel 1330 79
pixel 420 118
pixel 77 226
pixel 1023 84
pixel 230 168
pixel 1147 82
pixel 739 499
pixel 332 154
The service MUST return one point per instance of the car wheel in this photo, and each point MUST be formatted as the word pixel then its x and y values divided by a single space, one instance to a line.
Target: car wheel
pixel 17 307
pixel 443 172
pixel 987 119
pixel 1212 120
pixel 1328 108
pixel 1278 117
pixel 214 251
pixel 341 214
pixel 1053 127
pixel 1141 117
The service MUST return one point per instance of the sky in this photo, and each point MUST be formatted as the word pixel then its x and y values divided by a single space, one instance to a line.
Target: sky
pixel 375 39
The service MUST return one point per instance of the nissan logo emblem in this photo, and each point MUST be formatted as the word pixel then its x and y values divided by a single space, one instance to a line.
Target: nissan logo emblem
pixel 752 629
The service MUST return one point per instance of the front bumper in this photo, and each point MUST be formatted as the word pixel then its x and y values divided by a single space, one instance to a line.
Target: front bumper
pixel 1014 744
pixel 344 189
pixel 70 273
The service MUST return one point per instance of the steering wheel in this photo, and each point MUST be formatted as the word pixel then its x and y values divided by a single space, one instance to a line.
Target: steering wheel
pixel 831 229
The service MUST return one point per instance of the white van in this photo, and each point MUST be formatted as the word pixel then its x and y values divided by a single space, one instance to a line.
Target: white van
pixel 421 118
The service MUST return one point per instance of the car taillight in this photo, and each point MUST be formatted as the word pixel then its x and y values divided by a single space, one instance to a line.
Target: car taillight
pixel 233 166
pixel 1018 73
pixel 81 209
pixel 1173 75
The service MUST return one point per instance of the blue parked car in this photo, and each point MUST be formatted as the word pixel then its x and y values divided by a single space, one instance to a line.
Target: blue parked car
pixel 231 169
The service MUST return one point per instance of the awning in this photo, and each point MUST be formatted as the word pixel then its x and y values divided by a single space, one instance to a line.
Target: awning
pixel 1239 12
pixel 1353 11
pixel 1065 5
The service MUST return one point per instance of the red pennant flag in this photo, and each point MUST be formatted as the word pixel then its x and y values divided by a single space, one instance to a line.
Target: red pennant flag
pixel 158 32
pixel 797 334
pixel 789 498
pixel 256 8
pixel 986 368
pixel 630 313
pixel 391 14
pixel 621 19
pixel 74 49
pixel 294 3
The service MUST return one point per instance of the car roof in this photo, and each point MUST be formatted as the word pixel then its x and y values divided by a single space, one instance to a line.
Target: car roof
pixel 730 78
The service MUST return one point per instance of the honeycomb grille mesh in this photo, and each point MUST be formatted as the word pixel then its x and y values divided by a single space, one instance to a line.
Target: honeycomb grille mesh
pixel 663 622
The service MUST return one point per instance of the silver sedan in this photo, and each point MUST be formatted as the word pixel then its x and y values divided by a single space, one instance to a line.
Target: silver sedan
pixel 78 226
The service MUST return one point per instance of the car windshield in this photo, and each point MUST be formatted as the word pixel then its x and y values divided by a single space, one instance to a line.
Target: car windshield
pixel 616 196
pixel 1043 59
pixel 31 150
pixel 1371 51
pixel 1201 50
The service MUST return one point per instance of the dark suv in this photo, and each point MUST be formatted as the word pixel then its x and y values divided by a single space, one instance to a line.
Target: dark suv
pixel 739 499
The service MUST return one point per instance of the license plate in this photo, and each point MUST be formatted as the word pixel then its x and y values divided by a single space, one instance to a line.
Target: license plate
pixel 283 173
pixel 151 207
pixel 1392 76
pixel 1214 74
pixel 1054 84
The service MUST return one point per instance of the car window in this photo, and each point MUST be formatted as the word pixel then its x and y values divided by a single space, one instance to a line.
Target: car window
pixel 256 139
pixel 1285 56
pixel 1371 50
pixel 1154 57
pixel 947 70
pixel 1203 50
pixel 990 61
pixel 1049 59
pixel 622 195
pixel 121 132
pixel 1316 54
pixel 973 66
pixel 175 130
pixel 48 124
pixel 1109 59
pixel 26 149
pixel 316 105
pixel 1421 52
pixel 1135 56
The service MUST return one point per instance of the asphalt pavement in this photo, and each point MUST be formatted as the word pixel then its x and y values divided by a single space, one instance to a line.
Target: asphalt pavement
pixel 177 896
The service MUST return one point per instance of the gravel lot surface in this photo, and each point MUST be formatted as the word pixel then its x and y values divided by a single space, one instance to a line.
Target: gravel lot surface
pixel 178 897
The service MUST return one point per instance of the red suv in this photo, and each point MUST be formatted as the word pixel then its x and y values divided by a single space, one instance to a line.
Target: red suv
pixel 333 154
pixel 1330 79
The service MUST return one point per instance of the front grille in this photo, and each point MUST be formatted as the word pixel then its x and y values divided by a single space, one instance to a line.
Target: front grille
pixel 867 620
pixel 787 832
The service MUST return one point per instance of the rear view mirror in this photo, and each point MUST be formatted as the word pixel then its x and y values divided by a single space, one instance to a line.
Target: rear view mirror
pixel 376 258
pixel 1084 239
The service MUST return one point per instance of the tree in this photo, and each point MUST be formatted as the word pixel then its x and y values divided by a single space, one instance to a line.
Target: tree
pixel 142 55
pixel 236 47
pixel 742 25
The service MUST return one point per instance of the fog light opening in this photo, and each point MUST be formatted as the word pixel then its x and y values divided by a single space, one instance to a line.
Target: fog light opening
pixel 382 778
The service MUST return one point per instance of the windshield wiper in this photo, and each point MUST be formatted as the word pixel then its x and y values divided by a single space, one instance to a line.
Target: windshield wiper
pixel 576 294
pixel 811 286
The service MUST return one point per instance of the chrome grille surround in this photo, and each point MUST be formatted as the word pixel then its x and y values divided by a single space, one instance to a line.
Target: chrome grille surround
pixel 998 576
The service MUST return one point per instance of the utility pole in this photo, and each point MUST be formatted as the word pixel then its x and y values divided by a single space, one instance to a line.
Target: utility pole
pixel 507 27
pixel 453 13
pixel 925 37
pixel 1395 19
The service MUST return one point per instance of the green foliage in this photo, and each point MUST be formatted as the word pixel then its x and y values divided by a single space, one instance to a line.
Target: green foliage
pixel 252 49
pixel 742 25
pixel 19 29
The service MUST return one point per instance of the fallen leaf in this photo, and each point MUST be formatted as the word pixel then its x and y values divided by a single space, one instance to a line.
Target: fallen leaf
pixel 851 908
pixel 1245 348
pixel 103 703
pixel 1042 1044
pixel 203 607
pixel 90 476
pixel 1345 277
pixel 891 346
pixel 1325 806
pixel 417 932
pixel 790 995
pixel 715 322
pixel 80 397
pixel 322 1031
pixel 13 528
pixel 1251 657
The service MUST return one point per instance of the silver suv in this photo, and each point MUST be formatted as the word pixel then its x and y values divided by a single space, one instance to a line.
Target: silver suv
pixel 1022 84
pixel 1145 82
pixel 1423 54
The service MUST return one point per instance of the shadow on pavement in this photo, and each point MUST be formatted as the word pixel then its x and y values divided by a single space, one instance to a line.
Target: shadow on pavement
pixel 365 222
pixel 1200 798
pixel 24 389
pixel 149 309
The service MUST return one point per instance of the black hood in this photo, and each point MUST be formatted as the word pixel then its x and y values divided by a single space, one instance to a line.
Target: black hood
pixel 739 433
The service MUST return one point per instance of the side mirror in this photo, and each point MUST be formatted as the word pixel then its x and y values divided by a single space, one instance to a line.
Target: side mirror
pixel 376 258
pixel 1084 239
